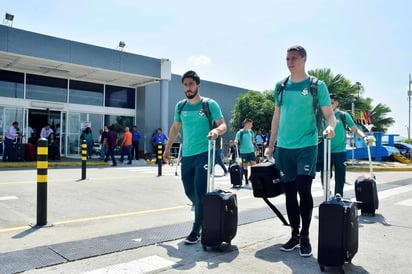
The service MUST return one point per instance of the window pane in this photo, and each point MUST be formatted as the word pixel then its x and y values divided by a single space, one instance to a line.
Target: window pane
pixel 11 84
pixel 46 88
pixel 120 97
pixel 86 93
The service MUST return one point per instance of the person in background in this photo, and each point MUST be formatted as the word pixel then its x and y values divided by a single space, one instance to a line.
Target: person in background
pixel 10 138
pixel 260 143
pixel 46 131
pixel 338 144
pixel 245 140
pixel 219 152
pixel 88 136
pixel 111 145
pixel 159 138
pixel 104 149
pixel 231 155
pixel 135 142
pixel 127 146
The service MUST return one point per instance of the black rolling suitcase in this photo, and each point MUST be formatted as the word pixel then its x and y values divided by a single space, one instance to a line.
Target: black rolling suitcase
pixel 235 172
pixel 266 184
pixel 366 191
pixel 338 225
pixel 16 153
pixel 220 213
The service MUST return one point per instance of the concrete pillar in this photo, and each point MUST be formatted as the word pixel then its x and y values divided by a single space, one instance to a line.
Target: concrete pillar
pixel 165 77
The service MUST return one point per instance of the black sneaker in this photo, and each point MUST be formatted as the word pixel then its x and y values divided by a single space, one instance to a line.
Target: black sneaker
pixel 291 244
pixel 305 247
pixel 193 238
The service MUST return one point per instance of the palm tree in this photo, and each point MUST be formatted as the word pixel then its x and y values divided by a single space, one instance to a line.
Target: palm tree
pixel 349 93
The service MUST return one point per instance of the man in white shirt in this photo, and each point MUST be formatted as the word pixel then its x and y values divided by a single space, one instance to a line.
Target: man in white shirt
pixel 9 140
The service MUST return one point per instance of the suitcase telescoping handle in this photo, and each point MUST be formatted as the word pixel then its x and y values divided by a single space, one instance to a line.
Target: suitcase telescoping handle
pixel 326 167
pixel 368 147
pixel 211 164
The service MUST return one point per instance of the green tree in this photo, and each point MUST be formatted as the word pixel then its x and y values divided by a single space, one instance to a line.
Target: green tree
pixel 255 105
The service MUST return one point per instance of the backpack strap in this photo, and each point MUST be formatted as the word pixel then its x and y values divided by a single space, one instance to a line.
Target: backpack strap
pixel 316 108
pixel 205 109
pixel 181 103
pixel 281 89
pixel 343 119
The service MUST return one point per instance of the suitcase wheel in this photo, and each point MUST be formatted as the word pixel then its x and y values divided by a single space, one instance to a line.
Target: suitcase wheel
pixel 322 268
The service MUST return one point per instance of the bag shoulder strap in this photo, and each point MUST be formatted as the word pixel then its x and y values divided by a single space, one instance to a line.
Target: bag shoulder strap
pixel 277 212
pixel 205 108
pixel 343 119
pixel 281 89
pixel 181 103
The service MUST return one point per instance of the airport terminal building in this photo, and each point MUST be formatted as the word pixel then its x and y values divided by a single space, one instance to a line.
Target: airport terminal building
pixel 44 79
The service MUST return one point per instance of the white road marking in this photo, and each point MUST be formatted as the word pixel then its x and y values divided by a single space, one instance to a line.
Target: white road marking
pixel 394 191
pixel 6 198
pixel 144 265
pixel 405 202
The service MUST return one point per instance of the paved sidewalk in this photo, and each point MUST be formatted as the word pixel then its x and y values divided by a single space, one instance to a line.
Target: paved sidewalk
pixel 96 216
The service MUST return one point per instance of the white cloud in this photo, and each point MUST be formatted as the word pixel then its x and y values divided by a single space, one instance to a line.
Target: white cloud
pixel 199 61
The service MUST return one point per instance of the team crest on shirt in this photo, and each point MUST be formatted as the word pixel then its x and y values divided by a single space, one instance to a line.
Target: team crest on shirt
pixel 305 92
pixel 201 112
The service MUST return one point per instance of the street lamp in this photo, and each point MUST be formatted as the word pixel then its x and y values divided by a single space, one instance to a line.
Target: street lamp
pixel 8 19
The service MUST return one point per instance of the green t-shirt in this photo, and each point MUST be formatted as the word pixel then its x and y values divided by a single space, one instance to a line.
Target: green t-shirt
pixel 246 143
pixel 297 123
pixel 195 125
pixel 338 143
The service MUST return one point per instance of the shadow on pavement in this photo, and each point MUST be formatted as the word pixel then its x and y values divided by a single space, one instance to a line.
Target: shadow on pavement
pixel 190 255
pixel 298 264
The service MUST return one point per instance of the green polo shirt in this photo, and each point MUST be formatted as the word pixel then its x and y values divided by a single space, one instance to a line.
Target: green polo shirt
pixel 195 125
pixel 297 124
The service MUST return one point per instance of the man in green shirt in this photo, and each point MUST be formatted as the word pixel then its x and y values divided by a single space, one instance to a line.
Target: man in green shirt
pixel 196 129
pixel 294 128
pixel 245 139
pixel 338 144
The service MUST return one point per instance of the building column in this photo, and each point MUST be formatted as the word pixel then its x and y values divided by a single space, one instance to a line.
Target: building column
pixel 164 102
pixel 165 77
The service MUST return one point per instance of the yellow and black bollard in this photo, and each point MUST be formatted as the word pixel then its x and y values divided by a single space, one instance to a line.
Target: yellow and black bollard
pixel 159 159
pixel 42 166
pixel 84 159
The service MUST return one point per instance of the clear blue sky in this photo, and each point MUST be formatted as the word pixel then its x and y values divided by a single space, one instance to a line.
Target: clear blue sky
pixel 243 43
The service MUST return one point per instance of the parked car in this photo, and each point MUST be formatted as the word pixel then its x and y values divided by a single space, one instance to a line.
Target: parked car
pixel 405 149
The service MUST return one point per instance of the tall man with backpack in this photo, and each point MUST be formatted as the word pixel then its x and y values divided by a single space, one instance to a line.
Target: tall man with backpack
pixel 196 115
pixel 300 101
pixel 338 144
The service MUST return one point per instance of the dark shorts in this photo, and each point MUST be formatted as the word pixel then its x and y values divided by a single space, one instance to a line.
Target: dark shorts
pixel 248 157
pixel 299 161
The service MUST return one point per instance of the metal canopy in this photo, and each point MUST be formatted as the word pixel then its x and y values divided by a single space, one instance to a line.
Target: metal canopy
pixel 22 63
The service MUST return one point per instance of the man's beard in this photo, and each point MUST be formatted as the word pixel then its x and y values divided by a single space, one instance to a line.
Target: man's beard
pixel 192 96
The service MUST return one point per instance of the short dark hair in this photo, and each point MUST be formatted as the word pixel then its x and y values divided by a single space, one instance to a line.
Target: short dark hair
pixel 193 75
pixel 333 97
pixel 299 49
pixel 247 120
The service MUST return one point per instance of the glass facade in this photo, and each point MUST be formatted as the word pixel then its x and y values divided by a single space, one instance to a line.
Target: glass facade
pixel 11 84
pixel 120 97
pixel 86 93
pixel 42 88
pixel 46 88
